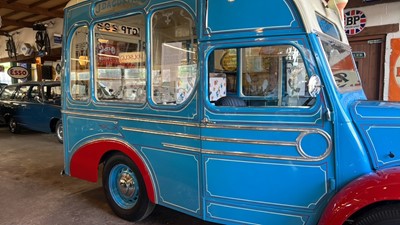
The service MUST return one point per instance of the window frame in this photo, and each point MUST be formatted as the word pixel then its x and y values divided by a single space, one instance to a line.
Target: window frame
pixel 323 37
pixel 326 22
pixel 68 85
pixel 96 68
pixel 195 87
pixel 299 42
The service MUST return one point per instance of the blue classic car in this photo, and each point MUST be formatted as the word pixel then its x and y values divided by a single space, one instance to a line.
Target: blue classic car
pixel 32 105
pixel 2 86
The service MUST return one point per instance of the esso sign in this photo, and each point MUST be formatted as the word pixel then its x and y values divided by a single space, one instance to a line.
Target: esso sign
pixel 18 72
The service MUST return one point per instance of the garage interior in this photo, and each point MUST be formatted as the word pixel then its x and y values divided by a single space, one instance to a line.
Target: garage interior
pixel 32 190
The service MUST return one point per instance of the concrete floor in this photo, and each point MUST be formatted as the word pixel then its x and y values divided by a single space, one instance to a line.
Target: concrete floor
pixel 33 192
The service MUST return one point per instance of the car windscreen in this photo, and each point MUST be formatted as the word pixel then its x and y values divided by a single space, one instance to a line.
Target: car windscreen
pixel 342 64
pixel 8 92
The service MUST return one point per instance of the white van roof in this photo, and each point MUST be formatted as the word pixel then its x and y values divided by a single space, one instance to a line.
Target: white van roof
pixel 73 2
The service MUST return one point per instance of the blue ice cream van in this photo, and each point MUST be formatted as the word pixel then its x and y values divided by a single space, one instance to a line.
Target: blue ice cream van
pixel 232 111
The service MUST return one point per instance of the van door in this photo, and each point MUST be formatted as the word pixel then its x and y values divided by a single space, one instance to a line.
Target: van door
pixel 266 143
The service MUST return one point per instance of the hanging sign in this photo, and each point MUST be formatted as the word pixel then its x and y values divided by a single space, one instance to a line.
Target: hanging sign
pixel 117 28
pixel 355 21
pixel 17 72
pixel 131 57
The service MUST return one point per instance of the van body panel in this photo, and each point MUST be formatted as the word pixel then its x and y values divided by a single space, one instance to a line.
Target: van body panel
pixel 379 125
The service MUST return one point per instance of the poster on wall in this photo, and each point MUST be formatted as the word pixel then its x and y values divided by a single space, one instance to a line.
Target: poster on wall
pixel 394 81
pixel 355 21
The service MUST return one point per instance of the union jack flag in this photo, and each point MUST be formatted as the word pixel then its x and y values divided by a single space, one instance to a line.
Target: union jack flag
pixel 355 20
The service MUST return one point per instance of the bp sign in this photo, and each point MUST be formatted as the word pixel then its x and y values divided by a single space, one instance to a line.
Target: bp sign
pixel 355 21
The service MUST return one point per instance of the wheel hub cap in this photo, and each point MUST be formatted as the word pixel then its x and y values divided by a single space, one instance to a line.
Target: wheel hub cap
pixel 126 185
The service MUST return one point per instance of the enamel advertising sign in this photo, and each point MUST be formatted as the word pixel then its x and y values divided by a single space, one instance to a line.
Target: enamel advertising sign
pixel 355 21
pixel 394 83
pixel 17 72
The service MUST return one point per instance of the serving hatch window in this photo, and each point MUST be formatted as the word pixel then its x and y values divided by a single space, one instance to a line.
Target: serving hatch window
pixel 120 60
pixel 259 76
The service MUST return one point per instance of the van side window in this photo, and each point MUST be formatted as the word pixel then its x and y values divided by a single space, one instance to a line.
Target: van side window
pixel 79 53
pixel 121 60
pixel 263 76
pixel 174 59
pixel 328 27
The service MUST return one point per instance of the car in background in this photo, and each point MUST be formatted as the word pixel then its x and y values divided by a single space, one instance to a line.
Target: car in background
pixel 5 96
pixel 2 86
pixel 32 105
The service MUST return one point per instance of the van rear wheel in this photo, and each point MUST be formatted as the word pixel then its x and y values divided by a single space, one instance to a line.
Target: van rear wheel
pixel 125 189
pixel 382 215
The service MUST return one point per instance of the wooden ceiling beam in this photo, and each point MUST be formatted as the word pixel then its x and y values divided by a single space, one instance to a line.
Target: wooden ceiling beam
pixel 25 8
pixel 62 5
pixel 25 17
pixel 18 23
pixel 8 14
pixel 361 3
pixel 38 3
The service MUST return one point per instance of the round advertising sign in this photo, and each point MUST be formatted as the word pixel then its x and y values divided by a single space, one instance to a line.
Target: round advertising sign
pixel 355 21
pixel 18 72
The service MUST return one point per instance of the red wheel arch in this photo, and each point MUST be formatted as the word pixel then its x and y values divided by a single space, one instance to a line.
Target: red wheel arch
pixel 85 161
pixel 380 186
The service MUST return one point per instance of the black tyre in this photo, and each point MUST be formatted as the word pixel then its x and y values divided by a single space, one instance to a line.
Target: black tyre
pixel 47 46
pixel 125 189
pixel 11 50
pixel 59 131
pixel 39 41
pixel 382 215
pixel 13 126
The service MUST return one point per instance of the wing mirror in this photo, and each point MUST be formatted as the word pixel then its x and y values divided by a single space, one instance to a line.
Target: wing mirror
pixel 314 86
